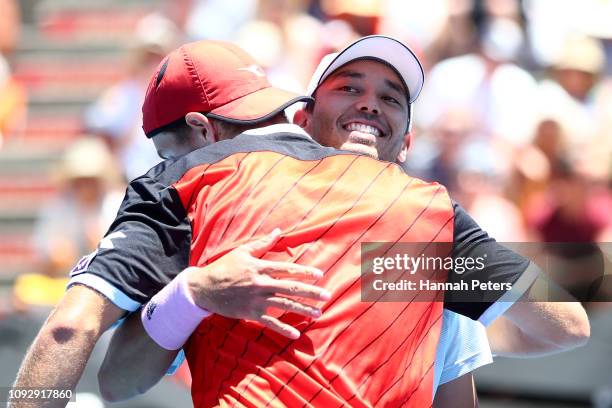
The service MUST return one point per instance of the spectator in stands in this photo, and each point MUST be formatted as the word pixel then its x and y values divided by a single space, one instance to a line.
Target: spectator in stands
pixel 568 95
pixel 489 82
pixel 116 115
pixel 218 19
pixel 445 30
pixel 537 163
pixel 566 212
pixel 434 155
pixel 480 190
pixel 13 102
pixel 10 25
pixel 72 224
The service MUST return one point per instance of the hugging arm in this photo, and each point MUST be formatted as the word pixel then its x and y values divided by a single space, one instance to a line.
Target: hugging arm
pixel 58 356
pixel 528 326
pixel 238 285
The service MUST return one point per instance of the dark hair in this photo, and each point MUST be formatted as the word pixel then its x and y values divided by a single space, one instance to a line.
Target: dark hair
pixel 179 128
pixel 309 106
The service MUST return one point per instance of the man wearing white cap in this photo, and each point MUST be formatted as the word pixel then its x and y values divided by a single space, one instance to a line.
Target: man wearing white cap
pixel 463 345
pixel 356 102
pixel 349 82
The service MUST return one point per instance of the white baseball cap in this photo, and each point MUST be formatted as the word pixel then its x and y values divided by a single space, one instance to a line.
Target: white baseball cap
pixel 378 47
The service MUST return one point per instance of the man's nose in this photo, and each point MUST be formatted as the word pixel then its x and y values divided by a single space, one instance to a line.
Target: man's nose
pixel 369 103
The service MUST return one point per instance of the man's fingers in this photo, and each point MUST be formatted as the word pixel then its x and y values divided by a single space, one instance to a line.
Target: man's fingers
pixel 290 305
pixel 296 288
pixel 289 269
pixel 279 327
pixel 262 245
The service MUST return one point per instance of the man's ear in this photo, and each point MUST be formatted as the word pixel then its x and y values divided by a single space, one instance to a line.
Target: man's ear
pixel 202 127
pixel 301 118
pixel 401 156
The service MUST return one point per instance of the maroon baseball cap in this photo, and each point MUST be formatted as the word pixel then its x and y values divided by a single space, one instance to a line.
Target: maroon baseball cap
pixel 215 78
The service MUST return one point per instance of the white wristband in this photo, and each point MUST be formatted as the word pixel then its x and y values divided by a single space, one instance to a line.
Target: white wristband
pixel 171 316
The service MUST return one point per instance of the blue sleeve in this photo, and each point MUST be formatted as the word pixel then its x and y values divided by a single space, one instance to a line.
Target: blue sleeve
pixel 463 347
pixel 178 360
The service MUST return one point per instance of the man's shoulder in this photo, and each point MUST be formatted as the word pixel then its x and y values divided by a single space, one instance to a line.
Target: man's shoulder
pixel 425 187
pixel 282 139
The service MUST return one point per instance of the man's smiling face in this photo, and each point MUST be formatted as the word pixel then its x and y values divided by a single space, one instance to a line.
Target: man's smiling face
pixel 361 107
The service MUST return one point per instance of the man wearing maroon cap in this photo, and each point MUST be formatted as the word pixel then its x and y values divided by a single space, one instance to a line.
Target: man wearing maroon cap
pixel 152 229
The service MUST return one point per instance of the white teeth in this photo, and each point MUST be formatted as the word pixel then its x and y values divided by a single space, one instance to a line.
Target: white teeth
pixel 360 127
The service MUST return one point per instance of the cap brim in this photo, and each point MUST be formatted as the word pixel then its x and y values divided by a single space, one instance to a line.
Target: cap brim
pixel 379 47
pixel 257 106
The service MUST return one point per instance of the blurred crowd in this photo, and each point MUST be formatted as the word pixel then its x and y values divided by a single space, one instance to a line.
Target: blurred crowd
pixel 514 119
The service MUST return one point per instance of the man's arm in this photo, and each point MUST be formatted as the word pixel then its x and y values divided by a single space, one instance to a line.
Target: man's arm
pixel 530 328
pixel 60 352
pixel 507 340
pixel 457 393
pixel 133 363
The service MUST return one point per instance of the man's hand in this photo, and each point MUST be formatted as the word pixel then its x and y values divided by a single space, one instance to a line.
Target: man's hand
pixel 60 351
pixel 240 285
